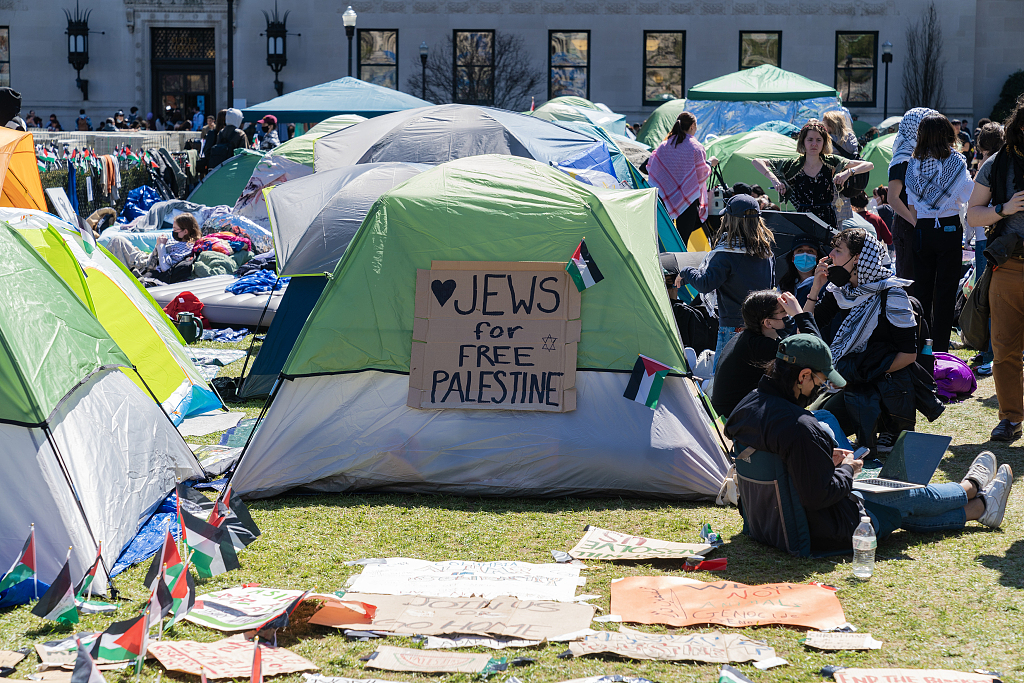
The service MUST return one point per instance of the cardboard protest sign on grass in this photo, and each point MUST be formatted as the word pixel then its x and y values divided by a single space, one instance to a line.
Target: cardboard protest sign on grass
pixel 228 658
pixel 909 676
pixel 602 544
pixel 406 659
pixel 498 643
pixel 458 578
pixel 10 659
pixel 831 640
pixel 240 609
pixel 699 647
pixel 501 616
pixel 686 602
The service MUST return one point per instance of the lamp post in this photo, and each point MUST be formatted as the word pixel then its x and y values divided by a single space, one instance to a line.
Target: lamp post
pixel 424 50
pixel 349 19
pixel 78 46
pixel 231 53
pixel 887 60
pixel 277 47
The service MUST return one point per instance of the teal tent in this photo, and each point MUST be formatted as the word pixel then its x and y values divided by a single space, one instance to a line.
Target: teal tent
pixel 223 185
pixel 765 83
pixel 343 96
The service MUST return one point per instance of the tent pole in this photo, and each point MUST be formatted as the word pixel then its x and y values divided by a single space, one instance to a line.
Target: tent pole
pixel 248 353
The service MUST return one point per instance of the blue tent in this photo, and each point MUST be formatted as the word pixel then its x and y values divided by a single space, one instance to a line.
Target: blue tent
pixel 343 96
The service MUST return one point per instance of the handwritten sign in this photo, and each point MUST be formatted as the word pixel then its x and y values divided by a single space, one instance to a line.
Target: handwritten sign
pixel 240 609
pixel 909 676
pixel 823 640
pixel 685 602
pixel 501 616
pixel 61 204
pixel 463 579
pixel 602 544
pixel 407 659
pixel 495 335
pixel 228 658
pixel 700 647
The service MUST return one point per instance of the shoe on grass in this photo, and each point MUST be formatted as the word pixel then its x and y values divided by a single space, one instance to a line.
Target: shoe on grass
pixel 995 496
pixel 985 369
pixel 1006 431
pixel 884 444
pixel 982 470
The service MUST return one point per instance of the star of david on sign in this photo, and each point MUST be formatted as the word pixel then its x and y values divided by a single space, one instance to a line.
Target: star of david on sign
pixel 549 343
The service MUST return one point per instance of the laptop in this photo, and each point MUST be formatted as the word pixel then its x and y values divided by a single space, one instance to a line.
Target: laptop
pixel 911 464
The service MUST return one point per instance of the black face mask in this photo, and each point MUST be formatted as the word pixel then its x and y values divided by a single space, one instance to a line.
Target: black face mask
pixel 788 330
pixel 839 275
pixel 804 401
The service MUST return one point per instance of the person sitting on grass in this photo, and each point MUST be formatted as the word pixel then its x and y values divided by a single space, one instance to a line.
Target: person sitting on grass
pixel 774 418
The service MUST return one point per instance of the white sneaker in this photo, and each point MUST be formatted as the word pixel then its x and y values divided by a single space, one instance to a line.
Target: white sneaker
pixel 982 470
pixel 995 496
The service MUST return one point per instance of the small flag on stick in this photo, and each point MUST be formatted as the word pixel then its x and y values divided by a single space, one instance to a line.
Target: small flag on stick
pixel 86 670
pixel 645 382
pixel 582 268
pixel 122 640
pixel 84 589
pixel 213 552
pixel 58 603
pixel 24 567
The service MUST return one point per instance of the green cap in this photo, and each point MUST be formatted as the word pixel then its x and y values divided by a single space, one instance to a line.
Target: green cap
pixel 809 351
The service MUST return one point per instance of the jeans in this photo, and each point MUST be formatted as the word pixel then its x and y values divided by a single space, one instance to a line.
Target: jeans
pixel 725 333
pixel 831 423
pixel 936 507
pixel 937 258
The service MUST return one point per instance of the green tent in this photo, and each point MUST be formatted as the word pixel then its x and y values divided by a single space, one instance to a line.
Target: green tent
pixel 300 148
pixel 860 127
pixel 223 185
pixel 347 376
pixel 660 122
pixel 735 153
pixel 765 83
pixel 878 152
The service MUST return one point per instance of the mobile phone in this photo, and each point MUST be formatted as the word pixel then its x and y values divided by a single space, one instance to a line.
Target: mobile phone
pixel 861 452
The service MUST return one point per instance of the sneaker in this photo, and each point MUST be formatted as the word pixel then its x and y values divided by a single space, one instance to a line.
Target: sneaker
pixel 1006 431
pixel 982 470
pixel 984 370
pixel 885 442
pixel 995 496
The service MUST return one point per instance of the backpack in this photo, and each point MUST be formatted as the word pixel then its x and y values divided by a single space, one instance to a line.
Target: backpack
pixel 225 148
pixel 953 378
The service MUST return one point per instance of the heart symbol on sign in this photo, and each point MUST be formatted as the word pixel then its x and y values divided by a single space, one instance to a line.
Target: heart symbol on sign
pixel 443 290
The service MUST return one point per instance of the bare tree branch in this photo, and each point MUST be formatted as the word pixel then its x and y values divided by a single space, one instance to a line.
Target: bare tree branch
pixel 924 69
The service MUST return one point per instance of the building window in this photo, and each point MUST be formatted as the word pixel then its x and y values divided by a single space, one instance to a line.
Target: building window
pixel 569 63
pixel 664 66
pixel 760 47
pixel 378 57
pixel 5 56
pixel 857 67
pixel 473 67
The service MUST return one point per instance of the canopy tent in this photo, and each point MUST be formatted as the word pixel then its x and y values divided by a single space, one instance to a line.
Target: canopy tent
pixel 127 312
pixel 300 148
pixel 735 153
pixel 878 152
pixel 569 109
pixel 891 122
pixel 660 122
pixel 314 219
pixel 343 96
pixel 435 135
pixel 88 456
pixel 224 183
pixel 780 127
pixel 737 102
pixel 346 381
pixel 20 171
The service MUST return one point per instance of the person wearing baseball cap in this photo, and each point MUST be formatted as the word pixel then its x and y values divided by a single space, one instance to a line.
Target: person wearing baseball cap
pixel 270 138
pixel 773 419
pixel 801 262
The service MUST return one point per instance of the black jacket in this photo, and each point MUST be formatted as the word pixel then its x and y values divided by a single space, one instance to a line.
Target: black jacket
pixel 769 420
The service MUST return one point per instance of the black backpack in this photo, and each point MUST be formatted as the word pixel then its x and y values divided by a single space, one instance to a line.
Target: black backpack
pixel 225 148
pixel 697 329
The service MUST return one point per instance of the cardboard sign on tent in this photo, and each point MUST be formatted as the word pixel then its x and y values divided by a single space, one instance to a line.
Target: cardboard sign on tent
pixel 73 426
pixel 356 349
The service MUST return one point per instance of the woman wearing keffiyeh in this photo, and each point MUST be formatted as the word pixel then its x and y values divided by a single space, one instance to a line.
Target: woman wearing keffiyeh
pixel 868 317
pixel 905 219
pixel 938 185
pixel 679 169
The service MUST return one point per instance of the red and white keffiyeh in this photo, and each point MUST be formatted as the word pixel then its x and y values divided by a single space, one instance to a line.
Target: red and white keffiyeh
pixel 680 173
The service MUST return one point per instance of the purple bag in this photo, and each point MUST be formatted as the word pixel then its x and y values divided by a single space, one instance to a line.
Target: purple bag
pixel 954 378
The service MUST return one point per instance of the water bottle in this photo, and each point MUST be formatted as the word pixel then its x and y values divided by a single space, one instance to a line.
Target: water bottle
pixel 927 358
pixel 864 544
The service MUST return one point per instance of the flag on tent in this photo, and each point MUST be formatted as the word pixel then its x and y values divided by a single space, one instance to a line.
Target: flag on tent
pixel 231 513
pixel 645 382
pixel 257 662
pixel 24 567
pixel 86 670
pixel 167 557
pixel 582 268
pixel 183 594
pixel 84 588
pixel 58 603
pixel 213 552
pixel 122 640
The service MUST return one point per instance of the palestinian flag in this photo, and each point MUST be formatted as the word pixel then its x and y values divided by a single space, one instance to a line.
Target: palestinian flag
pixel 213 552
pixel 122 640
pixel 58 603
pixel 84 588
pixel 85 668
pixel 257 663
pixel 24 567
pixel 193 502
pixel 730 674
pixel 160 601
pixel 268 631
pixel 230 513
pixel 645 382
pixel 582 269
pixel 183 594
pixel 167 557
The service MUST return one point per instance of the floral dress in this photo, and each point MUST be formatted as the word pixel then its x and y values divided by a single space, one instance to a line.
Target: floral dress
pixel 814 195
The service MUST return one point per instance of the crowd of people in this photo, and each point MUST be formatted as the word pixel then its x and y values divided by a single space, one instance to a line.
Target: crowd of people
pixel 832 350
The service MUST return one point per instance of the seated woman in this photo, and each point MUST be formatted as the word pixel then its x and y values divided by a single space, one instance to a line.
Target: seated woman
pixel 802 262
pixel 767 318
pixel 869 318
pixel 773 418
pixel 166 256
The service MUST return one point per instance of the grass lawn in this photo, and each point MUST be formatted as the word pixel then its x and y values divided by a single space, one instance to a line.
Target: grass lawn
pixel 949 601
